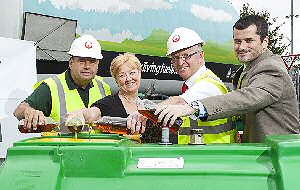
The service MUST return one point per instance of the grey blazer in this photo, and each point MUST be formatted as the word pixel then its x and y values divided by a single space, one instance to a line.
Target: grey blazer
pixel 266 97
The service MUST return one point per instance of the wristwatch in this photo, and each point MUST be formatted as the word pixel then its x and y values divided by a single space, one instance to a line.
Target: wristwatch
pixel 201 111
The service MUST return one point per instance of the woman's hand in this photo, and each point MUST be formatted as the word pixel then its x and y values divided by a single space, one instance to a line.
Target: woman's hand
pixel 136 122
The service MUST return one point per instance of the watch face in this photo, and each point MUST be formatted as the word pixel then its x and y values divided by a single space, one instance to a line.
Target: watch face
pixel 195 105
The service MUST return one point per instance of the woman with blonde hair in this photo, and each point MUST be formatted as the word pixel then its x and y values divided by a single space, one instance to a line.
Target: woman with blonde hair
pixel 126 70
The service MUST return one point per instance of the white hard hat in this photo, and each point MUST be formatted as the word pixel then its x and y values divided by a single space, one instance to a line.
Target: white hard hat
pixel 86 46
pixel 183 38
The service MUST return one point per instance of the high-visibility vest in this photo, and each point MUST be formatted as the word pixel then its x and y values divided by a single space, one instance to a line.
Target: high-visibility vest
pixel 216 131
pixel 65 100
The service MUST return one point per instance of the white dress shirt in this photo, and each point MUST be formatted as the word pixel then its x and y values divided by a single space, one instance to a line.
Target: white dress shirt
pixel 199 90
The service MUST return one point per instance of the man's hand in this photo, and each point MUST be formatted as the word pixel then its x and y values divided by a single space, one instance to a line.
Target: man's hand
pixel 169 113
pixel 92 114
pixel 75 118
pixel 86 115
pixel 136 122
pixel 32 118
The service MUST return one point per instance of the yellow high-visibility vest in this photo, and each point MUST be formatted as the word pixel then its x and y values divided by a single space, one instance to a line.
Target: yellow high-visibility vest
pixel 216 131
pixel 65 100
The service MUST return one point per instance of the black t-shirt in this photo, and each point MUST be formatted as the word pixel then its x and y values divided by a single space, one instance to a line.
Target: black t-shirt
pixel 111 106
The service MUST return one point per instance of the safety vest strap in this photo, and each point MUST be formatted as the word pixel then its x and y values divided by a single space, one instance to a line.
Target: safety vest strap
pixel 100 86
pixel 208 129
pixel 62 98
pixel 226 137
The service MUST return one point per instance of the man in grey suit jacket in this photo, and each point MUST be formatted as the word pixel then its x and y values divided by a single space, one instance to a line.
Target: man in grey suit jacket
pixel 265 93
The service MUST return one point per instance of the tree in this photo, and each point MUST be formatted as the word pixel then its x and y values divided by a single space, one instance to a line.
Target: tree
pixel 276 44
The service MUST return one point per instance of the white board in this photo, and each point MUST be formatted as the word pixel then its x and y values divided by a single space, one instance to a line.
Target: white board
pixel 17 75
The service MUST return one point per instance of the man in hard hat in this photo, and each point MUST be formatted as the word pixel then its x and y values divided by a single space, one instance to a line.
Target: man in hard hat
pixel 265 96
pixel 76 88
pixel 187 57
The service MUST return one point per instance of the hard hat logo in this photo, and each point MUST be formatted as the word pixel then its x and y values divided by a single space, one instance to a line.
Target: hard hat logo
pixel 88 45
pixel 176 38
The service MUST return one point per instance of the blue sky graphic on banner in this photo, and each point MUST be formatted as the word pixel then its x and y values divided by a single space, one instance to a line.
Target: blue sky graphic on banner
pixel 136 20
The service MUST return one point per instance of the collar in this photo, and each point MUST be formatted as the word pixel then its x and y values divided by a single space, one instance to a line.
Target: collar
pixel 190 82
pixel 71 84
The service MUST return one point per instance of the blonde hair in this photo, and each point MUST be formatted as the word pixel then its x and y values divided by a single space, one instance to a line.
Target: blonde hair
pixel 127 58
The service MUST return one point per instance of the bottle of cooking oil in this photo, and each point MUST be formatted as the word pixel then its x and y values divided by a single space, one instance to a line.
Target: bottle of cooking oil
pixel 147 109
pixel 107 124
pixel 49 126
pixel 150 115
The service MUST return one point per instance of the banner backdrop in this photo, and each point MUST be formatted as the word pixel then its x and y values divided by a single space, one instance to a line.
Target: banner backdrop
pixel 17 76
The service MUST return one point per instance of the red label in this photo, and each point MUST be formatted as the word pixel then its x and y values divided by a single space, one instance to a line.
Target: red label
pixel 176 38
pixel 88 45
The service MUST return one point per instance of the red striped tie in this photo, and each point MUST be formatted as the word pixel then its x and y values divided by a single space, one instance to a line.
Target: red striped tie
pixel 184 88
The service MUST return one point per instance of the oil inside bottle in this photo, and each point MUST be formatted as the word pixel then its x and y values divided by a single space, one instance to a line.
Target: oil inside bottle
pixel 149 113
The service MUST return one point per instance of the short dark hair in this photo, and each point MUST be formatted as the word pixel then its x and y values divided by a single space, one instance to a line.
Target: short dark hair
pixel 260 23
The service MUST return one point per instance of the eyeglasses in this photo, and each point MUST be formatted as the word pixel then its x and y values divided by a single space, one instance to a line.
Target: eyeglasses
pixel 185 57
